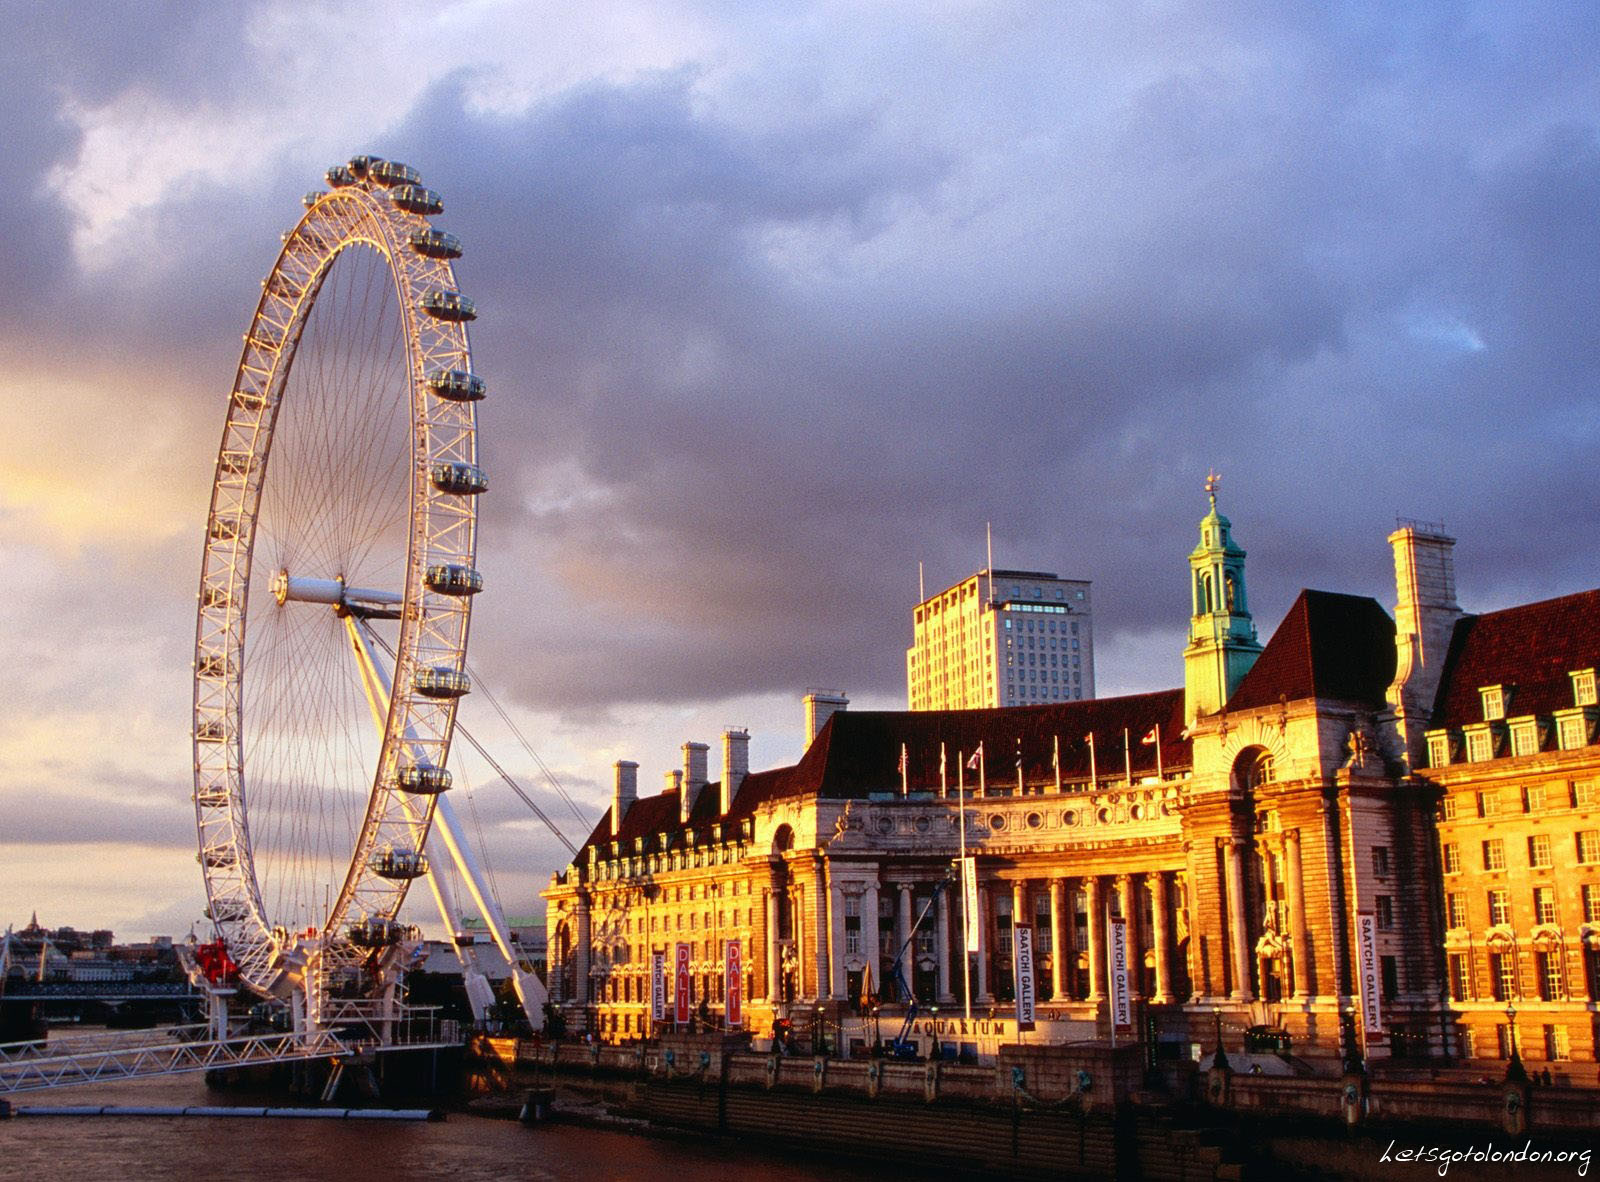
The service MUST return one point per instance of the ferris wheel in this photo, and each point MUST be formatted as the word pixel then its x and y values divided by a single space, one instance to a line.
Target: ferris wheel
pixel 337 584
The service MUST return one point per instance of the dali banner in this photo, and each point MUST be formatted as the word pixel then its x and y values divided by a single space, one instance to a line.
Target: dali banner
pixel 681 984
pixel 733 973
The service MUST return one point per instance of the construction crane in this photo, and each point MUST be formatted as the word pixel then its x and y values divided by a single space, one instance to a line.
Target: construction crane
pixel 902 1045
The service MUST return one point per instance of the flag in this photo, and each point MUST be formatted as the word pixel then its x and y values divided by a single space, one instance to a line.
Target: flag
pixel 866 988
pixel 972 760
pixel 1149 736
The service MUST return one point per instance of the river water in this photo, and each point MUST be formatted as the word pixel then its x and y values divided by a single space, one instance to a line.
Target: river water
pixel 466 1147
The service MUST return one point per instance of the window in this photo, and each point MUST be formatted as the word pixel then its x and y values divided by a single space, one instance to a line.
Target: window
pixel 1380 861
pixel 1448 807
pixel 852 925
pixel 1502 1034
pixel 1582 793
pixel 1385 909
pixel 1480 746
pixel 1525 737
pixel 1544 904
pixel 1455 910
pixel 1494 702
pixel 1556 1046
pixel 1591 903
pixel 1503 973
pixel 1588 846
pixel 1452 858
pixel 1572 731
pixel 1533 798
pixel 1494 854
pixel 1552 980
pixel 1488 804
pixel 1438 750
pixel 1499 908
pixel 1539 851
pixel 1583 688
pixel 1389 969
pixel 1460 977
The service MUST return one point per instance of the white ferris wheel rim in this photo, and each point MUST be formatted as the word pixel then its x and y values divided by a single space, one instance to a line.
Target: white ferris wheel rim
pixel 389 216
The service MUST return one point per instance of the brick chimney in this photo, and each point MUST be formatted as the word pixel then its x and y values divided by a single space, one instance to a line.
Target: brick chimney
pixel 1425 616
pixel 625 790
pixel 822 705
pixel 735 764
pixel 694 777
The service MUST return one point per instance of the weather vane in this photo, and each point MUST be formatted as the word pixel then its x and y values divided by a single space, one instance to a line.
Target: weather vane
pixel 1213 482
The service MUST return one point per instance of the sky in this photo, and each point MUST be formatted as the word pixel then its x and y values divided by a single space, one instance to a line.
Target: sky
pixel 776 303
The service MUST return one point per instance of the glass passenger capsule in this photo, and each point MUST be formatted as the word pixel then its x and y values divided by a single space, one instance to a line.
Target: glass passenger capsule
pixel 311 198
pixel 377 932
pixel 215 597
pixel 416 199
pixel 467 480
pixel 340 175
pixel 448 578
pixel 441 681
pixel 223 529
pixel 399 865
pixel 361 166
pixel 456 385
pixel 392 172
pixel 212 666
pixel 210 731
pixel 422 780
pixel 435 244
pixel 444 304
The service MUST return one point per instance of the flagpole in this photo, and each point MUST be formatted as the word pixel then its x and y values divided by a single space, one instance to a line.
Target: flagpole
pixel 983 772
pixel 1127 756
pixel 944 786
pixel 1160 775
pixel 966 919
pixel 1055 758
pixel 1020 791
pixel 905 772
pixel 1094 774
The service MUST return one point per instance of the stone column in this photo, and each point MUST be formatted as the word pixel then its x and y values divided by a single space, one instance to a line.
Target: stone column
pixel 1058 940
pixel 1128 904
pixel 774 960
pixel 819 896
pixel 1238 934
pixel 582 951
pixel 902 933
pixel 1298 929
pixel 1097 939
pixel 941 947
pixel 869 934
pixel 836 978
pixel 980 921
pixel 1162 925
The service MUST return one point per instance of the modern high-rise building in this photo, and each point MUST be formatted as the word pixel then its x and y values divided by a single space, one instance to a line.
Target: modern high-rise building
pixel 1002 638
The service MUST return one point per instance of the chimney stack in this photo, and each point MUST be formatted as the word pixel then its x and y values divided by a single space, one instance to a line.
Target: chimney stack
pixel 694 777
pixel 673 782
pixel 1425 616
pixel 624 792
pixel 822 705
pixel 735 764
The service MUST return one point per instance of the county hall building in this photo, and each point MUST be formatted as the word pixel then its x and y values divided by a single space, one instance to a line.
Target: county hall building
pixel 1372 826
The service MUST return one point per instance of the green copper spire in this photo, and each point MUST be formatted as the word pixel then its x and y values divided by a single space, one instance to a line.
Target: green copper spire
pixel 1222 637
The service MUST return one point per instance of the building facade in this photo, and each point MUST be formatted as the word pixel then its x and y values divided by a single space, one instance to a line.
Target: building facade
pixel 1372 832
pixel 1002 638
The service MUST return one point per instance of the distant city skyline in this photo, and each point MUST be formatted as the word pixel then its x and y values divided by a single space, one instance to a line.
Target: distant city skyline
pixel 772 310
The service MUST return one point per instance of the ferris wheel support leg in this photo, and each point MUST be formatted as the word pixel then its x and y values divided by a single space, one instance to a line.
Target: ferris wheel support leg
pixel 530 990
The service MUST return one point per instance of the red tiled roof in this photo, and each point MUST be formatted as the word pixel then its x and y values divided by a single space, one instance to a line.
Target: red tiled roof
pixel 1328 646
pixel 1530 648
pixel 857 753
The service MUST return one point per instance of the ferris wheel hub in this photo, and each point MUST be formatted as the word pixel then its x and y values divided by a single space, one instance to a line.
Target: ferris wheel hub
pixel 333 592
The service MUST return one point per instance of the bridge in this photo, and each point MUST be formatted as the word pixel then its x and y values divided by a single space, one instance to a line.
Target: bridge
pixel 111 992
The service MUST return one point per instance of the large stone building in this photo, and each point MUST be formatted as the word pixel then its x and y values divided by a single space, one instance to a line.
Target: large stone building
pixel 1370 828
pixel 1002 638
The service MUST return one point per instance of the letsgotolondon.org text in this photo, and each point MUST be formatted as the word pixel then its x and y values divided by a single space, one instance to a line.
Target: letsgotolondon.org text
pixel 1445 1158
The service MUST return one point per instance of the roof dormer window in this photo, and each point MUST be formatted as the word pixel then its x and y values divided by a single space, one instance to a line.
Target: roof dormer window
pixel 1583 688
pixel 1494 702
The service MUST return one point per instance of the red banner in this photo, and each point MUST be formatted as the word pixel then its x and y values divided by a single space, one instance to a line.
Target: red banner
pixel 733 971
pixel 681 985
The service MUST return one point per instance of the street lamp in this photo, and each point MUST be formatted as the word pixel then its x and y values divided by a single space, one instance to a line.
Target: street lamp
pixel 1221 1059
pixel 1515 1072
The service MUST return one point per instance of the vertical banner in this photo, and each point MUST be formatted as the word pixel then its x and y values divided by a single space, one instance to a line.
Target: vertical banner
pixel 1022 973
pixel 1367 963
pixel 680 985
pixel 733 973
pixel 1121 1005
pixel 969 900
pixel 658 986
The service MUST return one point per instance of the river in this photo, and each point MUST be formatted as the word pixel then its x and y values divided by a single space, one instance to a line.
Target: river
pixel 465 1147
